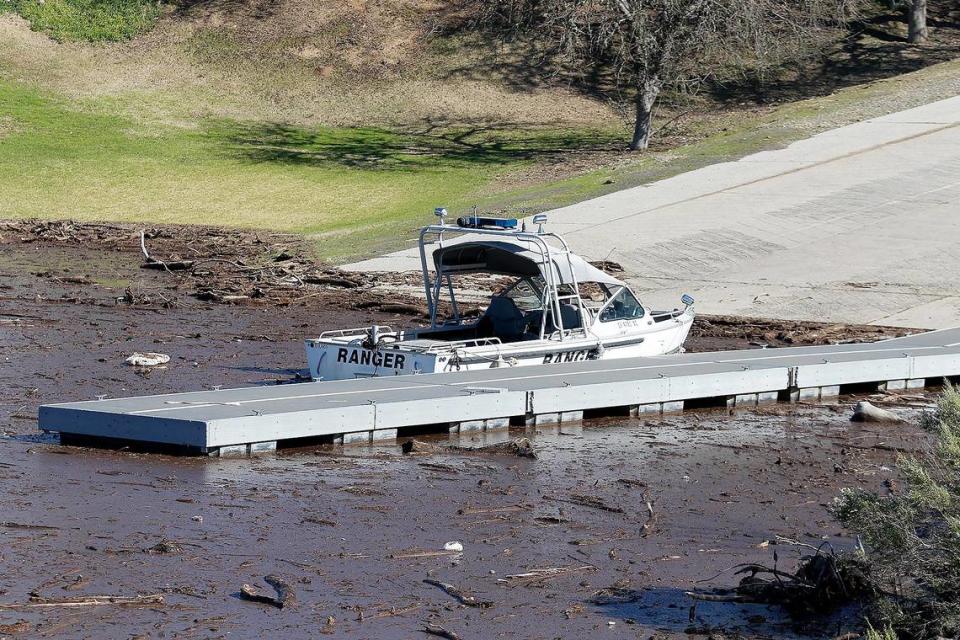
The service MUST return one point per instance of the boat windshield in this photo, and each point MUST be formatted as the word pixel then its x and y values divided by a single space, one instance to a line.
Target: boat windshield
pixel 622 306
pixel 526 293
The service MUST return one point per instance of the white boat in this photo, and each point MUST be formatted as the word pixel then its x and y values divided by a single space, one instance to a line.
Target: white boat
pixel 557 307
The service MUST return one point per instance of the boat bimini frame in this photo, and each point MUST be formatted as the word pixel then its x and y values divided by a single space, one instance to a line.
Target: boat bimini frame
pixel 551 296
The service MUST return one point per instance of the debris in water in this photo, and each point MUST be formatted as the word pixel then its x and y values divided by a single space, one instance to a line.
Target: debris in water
pixel 521 447
pixel 437 630
pixel 822 583
pixel 147 359
pixel 460 596
pixel 39 602
pixel 866 412
pixel 286 598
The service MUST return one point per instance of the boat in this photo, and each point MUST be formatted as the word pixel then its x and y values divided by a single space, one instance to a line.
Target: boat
pixel 553 307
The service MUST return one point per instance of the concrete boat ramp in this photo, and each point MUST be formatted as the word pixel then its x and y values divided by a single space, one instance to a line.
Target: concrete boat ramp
pixel 258 419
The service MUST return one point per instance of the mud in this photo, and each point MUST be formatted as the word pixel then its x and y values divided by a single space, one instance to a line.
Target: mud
pixel 356 531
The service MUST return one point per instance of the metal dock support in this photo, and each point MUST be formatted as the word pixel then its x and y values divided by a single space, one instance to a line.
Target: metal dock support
pixel 254 420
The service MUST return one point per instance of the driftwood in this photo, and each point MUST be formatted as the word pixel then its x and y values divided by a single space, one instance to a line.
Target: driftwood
pixel 284 599
pixel 420 553
pixel 38 602
pixel 538 576
pixel 821 583
pixel 460 596
pixel 437 630
pixel 35 527
pixel 521 447
pixel 587 501
pixel 333 281
pixel 513 508
pixel 153 263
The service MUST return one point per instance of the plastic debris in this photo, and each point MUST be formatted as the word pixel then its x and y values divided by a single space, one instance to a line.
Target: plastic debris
pixel 453 546
pixel 147 359
pixel 866 412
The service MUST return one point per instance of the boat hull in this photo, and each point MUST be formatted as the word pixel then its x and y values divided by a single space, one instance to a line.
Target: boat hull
pixel 345 358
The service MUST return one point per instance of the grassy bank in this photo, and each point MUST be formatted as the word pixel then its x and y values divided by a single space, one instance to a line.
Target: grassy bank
pixel 358 190
pixel 297 119
pixel 87 20
pixel 344 184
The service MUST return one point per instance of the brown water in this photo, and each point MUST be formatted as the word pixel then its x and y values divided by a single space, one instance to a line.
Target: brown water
pixel 333 521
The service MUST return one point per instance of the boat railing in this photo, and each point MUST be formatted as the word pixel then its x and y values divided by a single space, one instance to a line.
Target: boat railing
pixel 359 332
pixel 442 345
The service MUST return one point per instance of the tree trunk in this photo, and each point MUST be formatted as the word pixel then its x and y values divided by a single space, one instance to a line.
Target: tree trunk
pixel 647 94
pixel 917 20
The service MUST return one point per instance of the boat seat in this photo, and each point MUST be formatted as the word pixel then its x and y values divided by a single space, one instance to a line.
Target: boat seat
pixel 570 316
pixel 507 320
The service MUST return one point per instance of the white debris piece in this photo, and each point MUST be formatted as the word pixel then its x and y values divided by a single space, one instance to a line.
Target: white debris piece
pixel 147 359
pixel 866 412
pixel 453 546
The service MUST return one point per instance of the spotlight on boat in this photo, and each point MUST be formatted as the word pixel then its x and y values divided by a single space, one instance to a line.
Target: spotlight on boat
pixel 540 219
pixel 687 300
pixel 441 212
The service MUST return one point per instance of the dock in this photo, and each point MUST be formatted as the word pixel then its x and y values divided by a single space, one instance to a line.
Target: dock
pixel 248 421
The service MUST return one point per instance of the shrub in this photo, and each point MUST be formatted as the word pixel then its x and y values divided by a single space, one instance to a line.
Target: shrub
pixel 912 538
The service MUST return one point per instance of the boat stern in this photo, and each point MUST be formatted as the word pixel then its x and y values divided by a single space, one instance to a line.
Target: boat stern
pixel 341 359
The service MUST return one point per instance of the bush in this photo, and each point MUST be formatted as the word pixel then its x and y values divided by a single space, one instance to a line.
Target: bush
pixel 912 538
pixel 90 20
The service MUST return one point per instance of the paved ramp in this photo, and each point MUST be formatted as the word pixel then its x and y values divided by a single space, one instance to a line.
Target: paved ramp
pixel 860 224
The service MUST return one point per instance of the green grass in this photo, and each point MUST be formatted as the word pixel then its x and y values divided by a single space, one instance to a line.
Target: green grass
pixel 87 20
pixel 349 186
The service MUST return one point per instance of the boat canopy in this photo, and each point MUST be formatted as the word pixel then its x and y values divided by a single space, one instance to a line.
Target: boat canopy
pixel 516 257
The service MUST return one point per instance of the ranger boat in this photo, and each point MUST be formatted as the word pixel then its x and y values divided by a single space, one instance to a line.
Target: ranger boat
pixel 556 307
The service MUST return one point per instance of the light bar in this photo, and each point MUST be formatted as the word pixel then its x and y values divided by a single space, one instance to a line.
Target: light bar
pixel 480 222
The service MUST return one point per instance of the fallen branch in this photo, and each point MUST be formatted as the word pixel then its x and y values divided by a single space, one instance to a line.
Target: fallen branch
pixel 250 594
pixel 470 511
pixel 520 447
pixel 821 583
pixel 285 593
pixel 153 263
pixel 460 596
pixel 285 598
pixel 586 501
pixel 710 597
pixel 416 553
pixel 333 281
pixel 86 601
pixel 536 576
pixel 437 630
pixel 35 527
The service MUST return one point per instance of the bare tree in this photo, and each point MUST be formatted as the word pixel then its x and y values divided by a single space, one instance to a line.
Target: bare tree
pixel 651 45
pixel 917 21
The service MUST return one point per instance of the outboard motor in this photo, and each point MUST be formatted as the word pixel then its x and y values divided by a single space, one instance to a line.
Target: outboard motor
pixel 373 338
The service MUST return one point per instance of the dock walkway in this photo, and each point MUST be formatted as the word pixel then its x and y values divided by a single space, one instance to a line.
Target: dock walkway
pixel 255 419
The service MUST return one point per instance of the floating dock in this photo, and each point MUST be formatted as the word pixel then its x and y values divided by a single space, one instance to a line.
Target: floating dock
pixel 258 419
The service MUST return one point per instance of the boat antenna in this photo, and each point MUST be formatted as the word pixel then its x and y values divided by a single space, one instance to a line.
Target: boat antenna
pixel 441 212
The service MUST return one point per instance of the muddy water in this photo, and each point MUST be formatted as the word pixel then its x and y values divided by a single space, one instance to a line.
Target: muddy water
pixel 349 527
pixel 333 521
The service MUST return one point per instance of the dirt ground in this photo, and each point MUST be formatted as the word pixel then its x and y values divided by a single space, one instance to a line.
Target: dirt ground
pixel 356 531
